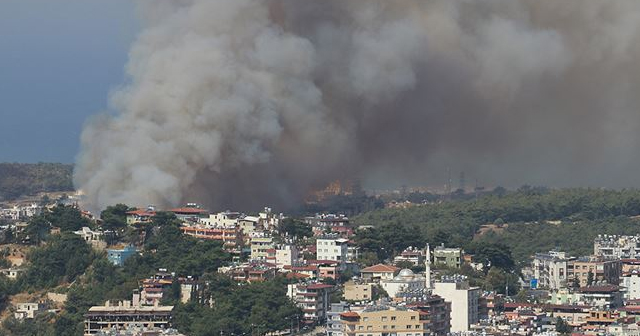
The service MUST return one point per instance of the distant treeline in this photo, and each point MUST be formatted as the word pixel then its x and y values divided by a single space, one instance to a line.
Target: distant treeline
pixel 538 219
pixel 21 179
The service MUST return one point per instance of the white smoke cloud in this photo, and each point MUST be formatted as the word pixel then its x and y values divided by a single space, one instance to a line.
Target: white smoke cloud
pixel 235 101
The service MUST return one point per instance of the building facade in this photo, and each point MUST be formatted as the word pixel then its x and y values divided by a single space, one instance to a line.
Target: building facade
pixel 551 270
pixel 464 301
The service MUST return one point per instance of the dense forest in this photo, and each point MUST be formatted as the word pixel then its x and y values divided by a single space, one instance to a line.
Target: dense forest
pixel 21 179
pixel 528 220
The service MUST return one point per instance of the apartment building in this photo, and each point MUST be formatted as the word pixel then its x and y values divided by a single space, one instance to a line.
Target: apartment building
pixel 260 246
pixel 463 298
pixel 331 247
pixel 447 256
pixel 413 255
pixel 230 236
pixel 126 314
pixel 418 319
pixel 313 299
pixel 601 269
pixel 358 291
pixel 617 247
pixel 551 270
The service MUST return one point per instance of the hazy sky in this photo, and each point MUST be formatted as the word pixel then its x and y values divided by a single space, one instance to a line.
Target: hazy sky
pixel 58 61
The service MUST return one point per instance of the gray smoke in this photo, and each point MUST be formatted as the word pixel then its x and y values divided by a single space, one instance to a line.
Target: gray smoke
pixel 248 102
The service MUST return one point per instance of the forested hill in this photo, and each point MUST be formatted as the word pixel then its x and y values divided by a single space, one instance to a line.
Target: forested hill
pixel 20 179
pixel 529 220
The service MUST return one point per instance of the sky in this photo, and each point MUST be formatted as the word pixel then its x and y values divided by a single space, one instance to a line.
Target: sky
pixel 58 62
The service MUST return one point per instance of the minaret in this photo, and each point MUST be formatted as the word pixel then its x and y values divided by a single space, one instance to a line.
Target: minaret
pixel 427 271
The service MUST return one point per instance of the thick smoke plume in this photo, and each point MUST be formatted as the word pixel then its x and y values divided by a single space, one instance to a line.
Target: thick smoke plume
pixel 245 102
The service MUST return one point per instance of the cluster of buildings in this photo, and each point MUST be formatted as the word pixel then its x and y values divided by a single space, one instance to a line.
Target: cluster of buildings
pixel 19 212
pixel 595 295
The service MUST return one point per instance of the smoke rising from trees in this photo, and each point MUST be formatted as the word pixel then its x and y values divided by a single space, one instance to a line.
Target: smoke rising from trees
pixel 242 102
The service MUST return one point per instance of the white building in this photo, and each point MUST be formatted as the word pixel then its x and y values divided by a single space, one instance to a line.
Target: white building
pixel 93 238
pixel 551 269
pixel 286 255
pixel 225 219
pixel 28 310
pixel 331 247
pixel 260 244
pixel 617 247
pixel 631 283
pixel 463 298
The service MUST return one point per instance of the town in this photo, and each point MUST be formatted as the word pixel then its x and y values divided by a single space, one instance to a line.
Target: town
pixel 319 274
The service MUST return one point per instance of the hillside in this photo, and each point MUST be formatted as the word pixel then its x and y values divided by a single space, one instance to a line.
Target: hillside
pixel 536 219
pixel 21 179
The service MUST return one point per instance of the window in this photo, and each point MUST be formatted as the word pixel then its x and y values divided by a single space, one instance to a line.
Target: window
pixel 393 318
pixel 365 319
pixel 417 326
pixel 384 319
pixel 384 327
pixel 360 327
pixel 393 326
pixel 369 328
pixel 413 318
pixel 408 326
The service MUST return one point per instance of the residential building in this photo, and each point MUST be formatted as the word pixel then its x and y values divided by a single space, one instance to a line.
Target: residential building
pixel 253 272
pixel 12 273
pixel 20 212
pixel 600 268
pixel 117 256
pixel 358 291
pixel 379 272
pixel 334 324
pixel 230 236
pixel 463 298
pixel 331 247
pixel 249 225
pixel 260 244
pixel 313 299
pixel 617 247
pixel 286 255
pixel 435 314
pixel 446 256
pixel 191 213
pixel 602 296
pixel 551 270
pixel 93 238
pixel 630 283
pixel 329 223
pixel 418 319
pixel 413 255
pixel 141 216
pixel 126 314
pixel 28 310
pixel 225 219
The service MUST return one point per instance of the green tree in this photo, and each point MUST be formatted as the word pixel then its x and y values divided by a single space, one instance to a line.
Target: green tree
pixel 67 218
pixel 114 220
pixel 295 228
pixel 562 326
pixel 37 229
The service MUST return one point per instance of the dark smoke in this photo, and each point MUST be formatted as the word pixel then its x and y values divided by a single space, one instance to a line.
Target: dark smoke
pixel 242 102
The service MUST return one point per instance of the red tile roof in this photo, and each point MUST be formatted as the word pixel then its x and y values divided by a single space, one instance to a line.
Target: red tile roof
pixel 349 314
pixel 296 275
pixel 380 268
pixel 188 211
pixel 141 212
